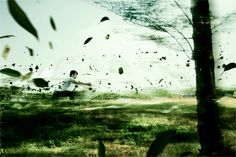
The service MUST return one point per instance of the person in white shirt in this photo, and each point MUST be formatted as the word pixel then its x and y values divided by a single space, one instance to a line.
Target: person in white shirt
pixel 67 88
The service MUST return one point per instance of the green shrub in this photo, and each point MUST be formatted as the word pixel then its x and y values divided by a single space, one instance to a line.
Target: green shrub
pixel 6 93
pixel 106 96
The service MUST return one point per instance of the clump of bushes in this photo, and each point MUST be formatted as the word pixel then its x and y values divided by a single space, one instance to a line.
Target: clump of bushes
pixel 6 93
pixel 107 96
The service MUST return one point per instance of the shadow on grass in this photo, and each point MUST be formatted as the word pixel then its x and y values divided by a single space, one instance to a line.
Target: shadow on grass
pixel 228 118
pixel 49 124
pixel 52 123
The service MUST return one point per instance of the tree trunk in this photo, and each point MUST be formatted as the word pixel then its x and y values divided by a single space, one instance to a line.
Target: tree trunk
pixel 210 136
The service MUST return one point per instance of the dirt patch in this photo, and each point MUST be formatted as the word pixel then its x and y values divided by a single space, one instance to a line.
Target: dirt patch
pixel 158 100
pixel 115 104
pixel 228 102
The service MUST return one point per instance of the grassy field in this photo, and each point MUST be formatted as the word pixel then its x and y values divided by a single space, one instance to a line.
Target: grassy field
pixel 34 125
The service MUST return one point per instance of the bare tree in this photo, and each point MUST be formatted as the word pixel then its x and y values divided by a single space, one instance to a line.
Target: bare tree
pixel 144 13
pixel 209 131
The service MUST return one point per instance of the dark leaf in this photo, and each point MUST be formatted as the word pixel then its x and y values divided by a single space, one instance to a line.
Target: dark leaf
pixel 21 18
pixel 229 66
pixel 37 67
pixel 31 51
pixel 6 36
pixel 121 71
pixel 105 18
pixel 53 24
pixel 160 80
pixel 40 82
pixel 164 58
pixel 10 72
pixel 107 36
pixel 88 40
pixel 132 86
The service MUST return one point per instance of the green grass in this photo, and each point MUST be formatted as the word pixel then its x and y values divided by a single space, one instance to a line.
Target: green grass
pixel 42 127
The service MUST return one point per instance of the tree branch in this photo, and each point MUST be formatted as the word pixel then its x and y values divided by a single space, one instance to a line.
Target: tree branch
pixel 222 22
pixel 189 20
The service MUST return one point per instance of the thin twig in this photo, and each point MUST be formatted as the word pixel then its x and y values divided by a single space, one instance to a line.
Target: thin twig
pixel 189 20
pixel 222 22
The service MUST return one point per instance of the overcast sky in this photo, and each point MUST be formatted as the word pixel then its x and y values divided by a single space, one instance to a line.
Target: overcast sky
pixel 99 60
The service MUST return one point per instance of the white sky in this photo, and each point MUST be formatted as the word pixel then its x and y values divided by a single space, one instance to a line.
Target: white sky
pixel 76 20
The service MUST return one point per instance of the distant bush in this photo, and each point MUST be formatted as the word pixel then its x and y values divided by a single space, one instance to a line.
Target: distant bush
pixel 223 92
pixel 80 94
pixel 189 92
pixel 161 93
pixel 6 93
pixel 106 96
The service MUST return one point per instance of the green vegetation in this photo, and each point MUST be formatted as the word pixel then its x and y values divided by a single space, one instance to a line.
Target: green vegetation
pixel 146 94
pixel 38 126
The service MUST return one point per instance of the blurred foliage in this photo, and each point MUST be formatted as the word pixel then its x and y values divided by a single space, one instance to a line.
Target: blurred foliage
pixel 162 93
pixel 106 96
pixel 6 93
pixel 224 92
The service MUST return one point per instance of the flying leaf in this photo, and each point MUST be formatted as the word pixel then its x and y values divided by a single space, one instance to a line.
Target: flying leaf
pixel 50 45
pixel 121 71
pixel 107 36
pixel 160 80
pixel 5 52
pixel 132 86
pixel 105 18
pixel 88 40
pixel 40 82
pixel 229 66
pixel 164 57
pixel 36 67
pixel 26 76
pixel 6 36
pixel 53 24
pixel 21 18
pixel 10 72
pixel 31 51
